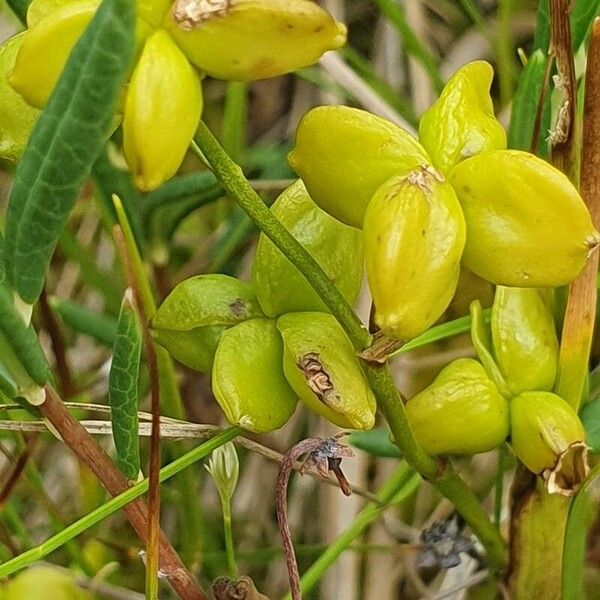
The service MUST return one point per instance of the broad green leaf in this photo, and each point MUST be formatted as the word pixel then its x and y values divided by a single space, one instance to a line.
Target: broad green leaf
pixel 64 144
pixel 575 541
pixel 123 393
pixel 376 442
pixel 80 319
pixel 525 102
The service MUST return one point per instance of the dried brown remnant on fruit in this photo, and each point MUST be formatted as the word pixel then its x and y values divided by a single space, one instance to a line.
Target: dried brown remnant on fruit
pixel 423 176
pixel 569 472
pixel 190 14
pixel 317 378
pixel 242 589
pixel 238 308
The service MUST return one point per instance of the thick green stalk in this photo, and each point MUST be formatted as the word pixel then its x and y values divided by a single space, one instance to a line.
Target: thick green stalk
pixel 114 504
pixel 440 474
pixel 400 485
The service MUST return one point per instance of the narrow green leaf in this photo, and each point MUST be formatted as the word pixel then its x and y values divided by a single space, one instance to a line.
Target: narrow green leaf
pixel 590 416
pixel 123 391
pixel 376 442
pixel 582 15
pixel 233 130
pixel 525 102
pixel 23 340
pixel 541 39
pixel 100 327
pixel 64 144
pixel 109 180
pixel 574 547
pixel 2 270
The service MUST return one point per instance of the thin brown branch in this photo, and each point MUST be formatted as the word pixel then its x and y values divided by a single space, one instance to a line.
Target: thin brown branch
pixel 65 379
pixel 563 135
pixel 580 313
pixel 14 476
pixel 83 445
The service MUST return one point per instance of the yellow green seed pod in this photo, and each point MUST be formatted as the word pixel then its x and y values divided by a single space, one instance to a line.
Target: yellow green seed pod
pixel 344 154
pixel 414 234
pixel 524 339
pixel 549 439
pixel 279 286
pixel 461 123
pixel 248 380
pixel 245 40
pixel 45 49
pixel 162 110
pixel 44 582
pixel 17 118
pixel 322 368
pixel 527 225
pixel 461 412
pixel 190 321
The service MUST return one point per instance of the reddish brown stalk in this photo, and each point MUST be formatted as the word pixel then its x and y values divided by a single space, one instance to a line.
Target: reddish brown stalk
pixel 152 562
pixel 80 441
pixel 9 484
pixel 326 455
pixel 580 313
pixel 563 134
pixel 65 380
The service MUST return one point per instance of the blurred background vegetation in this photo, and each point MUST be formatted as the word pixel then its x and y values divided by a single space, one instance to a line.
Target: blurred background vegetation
pixel 399 54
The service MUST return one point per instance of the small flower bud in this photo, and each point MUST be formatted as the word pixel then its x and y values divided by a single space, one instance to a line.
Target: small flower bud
pixel 224 468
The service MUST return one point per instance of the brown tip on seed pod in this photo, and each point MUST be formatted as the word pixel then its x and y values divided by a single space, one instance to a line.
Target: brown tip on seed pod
pixel 569 472
pixel 189 14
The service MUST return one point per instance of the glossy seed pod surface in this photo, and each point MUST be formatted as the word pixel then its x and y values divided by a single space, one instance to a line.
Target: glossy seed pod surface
pixel 322 367
pixel 280 287
pixel 461 123
pixel 248 380
pixel 461 412
pixel 524 338
pixel 344 154
pixel 527 226
pixel 245 40
pixel 414 235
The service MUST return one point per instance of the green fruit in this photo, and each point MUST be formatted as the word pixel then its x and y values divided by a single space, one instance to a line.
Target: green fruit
pixel 44 582
pixel 280 287
pixel 461 412
pixel 414 234
pixel 322 367
pixel 248 380
pixel 190 321
pixel 461 123
pixel 527 226
pixel 524 339
pixel 344 154
pixel 549 439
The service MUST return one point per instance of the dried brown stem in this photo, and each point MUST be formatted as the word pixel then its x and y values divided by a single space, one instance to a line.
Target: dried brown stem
pixel 539 112
pixel 83 445
pixel 580 313
pixel 287 466
pixel 18 469
pixel 563 134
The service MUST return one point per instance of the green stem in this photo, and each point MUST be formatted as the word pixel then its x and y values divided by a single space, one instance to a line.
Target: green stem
pixel 114 504
pixel 441 475
pixel 233 133
pixel 401 484
pixel 229 549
